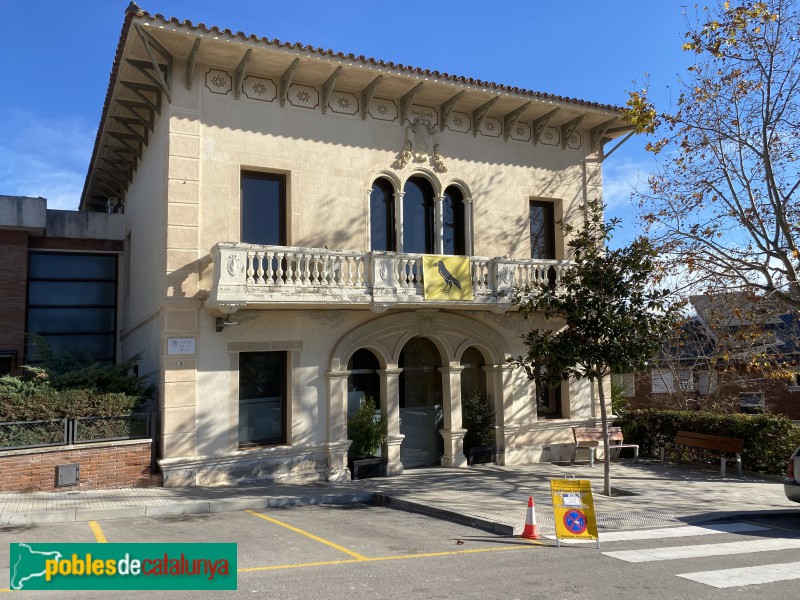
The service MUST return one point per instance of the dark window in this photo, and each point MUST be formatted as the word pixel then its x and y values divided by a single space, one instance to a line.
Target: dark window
pixel 263 209
pixel 8 362
pixel 363 380
pixel 72 304
pixel 548 401
pixel 262 398
pixel 473 377
pixel 453 237
pixel 543 242
pixel 381 216
pixel 418 227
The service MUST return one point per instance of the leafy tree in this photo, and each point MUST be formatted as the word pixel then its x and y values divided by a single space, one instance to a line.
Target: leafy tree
pixel 611 319
pixel 723 202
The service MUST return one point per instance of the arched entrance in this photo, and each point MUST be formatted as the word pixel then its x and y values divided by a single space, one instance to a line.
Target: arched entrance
pixel 420 404
pixel 363 380
pixel 478 415
pixel 419 354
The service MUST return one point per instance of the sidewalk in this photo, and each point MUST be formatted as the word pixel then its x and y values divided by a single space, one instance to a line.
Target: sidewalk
pixel 491 497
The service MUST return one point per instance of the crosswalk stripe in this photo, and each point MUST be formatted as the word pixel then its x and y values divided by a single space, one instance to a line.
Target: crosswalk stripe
pixel 728 578
pixel 699 551
pixel 673 532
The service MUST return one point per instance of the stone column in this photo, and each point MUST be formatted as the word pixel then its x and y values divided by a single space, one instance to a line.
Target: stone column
pixel 390 406
pixel 498 383
pixel 468 249
pixel 337 427
pixel 438 225
pixel 453 432
pixel 398 220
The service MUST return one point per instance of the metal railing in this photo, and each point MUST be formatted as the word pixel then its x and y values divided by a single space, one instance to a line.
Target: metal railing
pixel 18 435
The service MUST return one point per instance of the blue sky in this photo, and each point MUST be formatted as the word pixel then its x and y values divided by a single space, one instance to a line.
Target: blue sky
pixel 56 58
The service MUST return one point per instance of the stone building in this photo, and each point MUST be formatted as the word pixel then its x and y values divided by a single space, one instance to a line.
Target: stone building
pixel 279 202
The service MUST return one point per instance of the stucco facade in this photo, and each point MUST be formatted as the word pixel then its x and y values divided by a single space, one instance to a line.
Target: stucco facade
pixel 328 128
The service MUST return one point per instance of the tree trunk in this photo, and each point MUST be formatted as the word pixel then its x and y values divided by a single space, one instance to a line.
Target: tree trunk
pixel 606 450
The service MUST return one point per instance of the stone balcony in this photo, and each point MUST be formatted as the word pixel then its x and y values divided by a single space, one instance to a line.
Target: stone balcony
pixel 253 276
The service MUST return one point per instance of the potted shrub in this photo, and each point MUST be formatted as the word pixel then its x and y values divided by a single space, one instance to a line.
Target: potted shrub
pixel 367 432
pixel 477 413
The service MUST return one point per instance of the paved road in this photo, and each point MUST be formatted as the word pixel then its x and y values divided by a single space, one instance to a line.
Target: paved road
pixel 360 551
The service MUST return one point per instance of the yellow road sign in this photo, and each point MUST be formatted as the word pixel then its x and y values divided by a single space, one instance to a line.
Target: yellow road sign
pixel 573 509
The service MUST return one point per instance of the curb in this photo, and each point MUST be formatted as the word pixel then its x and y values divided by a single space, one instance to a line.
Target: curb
pixel 425 509
pixel 182 508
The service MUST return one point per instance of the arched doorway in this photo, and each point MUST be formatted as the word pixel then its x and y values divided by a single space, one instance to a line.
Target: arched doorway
pixel 420 404
pixel 363 380
pixel 477 408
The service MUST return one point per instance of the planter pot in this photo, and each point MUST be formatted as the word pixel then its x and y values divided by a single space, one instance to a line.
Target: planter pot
pixel 367 467
pixel 481 454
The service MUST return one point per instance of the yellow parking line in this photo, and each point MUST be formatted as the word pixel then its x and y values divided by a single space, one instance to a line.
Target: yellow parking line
pixel 384 558
pixel 98 533
pixel 355 555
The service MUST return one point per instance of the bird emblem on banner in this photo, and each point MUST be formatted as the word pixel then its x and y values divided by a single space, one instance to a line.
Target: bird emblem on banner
pixel 447 277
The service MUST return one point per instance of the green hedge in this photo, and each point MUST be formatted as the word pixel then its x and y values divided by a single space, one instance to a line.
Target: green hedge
pixel 33 400
pixel 769 440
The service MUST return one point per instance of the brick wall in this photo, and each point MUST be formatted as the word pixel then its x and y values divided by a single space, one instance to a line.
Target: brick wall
pixel 13 291
pixel 102 465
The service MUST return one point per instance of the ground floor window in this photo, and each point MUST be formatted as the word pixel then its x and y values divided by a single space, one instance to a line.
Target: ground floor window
pixel 548 401
pixel 262 398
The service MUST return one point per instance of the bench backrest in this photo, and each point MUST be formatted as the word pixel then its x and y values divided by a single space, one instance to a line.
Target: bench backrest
pixel 595 434
pixel 709 442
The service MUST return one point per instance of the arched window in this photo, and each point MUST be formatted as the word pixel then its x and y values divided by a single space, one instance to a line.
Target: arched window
pixel 381 216
pixel 453 238
pixel 418 219
pixel 363 379
pixel 473 377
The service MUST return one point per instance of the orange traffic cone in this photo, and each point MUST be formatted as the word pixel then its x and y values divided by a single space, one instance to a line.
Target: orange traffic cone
pixel 530 531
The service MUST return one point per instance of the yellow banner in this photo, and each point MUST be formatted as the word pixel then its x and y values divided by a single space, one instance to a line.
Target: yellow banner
pixel 447 277
pixel 573 509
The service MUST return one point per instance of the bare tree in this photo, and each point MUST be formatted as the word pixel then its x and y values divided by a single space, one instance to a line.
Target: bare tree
pixel 723 203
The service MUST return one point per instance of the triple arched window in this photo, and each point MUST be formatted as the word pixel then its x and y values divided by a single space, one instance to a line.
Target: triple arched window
pixel 416 221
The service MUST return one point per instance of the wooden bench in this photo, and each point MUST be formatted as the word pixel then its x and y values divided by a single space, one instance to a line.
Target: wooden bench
pixel 725 446
pixel 592 438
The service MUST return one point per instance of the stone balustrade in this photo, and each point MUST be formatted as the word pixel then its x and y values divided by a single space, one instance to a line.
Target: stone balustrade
pixel 252 276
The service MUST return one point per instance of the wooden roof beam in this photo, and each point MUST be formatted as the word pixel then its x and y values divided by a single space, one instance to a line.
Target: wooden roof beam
pixel 123 138
pixel 133 108
pixel 327 89
pixel 568 128
pixel 140 88
pixel 407 100
pixel 446 109
pixel 367 94
pixel 127 123
pixel 151 44
pixel 240 73
pixel 479 114
pixel 190 63
pixel 510 120
pixel 540 123
pixel 286 81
